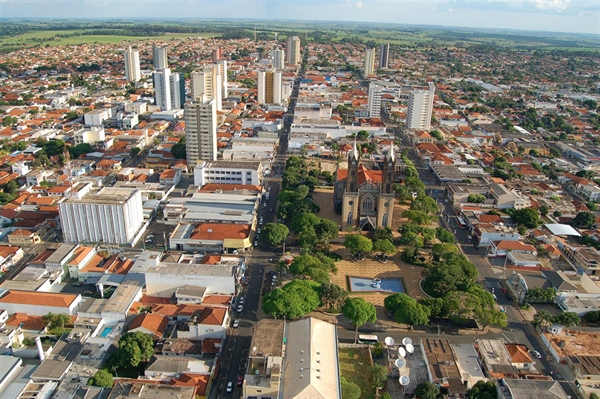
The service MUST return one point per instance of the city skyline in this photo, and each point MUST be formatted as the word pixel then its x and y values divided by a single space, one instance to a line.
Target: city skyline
pixel 568 16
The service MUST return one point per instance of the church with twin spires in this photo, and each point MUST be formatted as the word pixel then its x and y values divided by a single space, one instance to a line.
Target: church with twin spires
pixel 365 197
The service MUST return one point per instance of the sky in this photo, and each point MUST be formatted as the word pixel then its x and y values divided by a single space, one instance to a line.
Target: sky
pixel 579 16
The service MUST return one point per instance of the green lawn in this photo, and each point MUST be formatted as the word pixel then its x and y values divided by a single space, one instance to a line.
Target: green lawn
pixel 354 364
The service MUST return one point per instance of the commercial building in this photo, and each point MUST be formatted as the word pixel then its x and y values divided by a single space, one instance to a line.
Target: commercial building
pixel 207 82
pixel 159 57
pixel 110 216
pixel 277 58
pixel 132 65
pixel 269 87
pixel 384 55
pixel 370 62
pixel 169 89
pixel 293 50
pixel 38 303
pixel 374 105
pixel 420 108
pixel 201 130
pixel 97 117
pixel 228 172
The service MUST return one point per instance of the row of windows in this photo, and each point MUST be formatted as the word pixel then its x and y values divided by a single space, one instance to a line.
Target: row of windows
pixel 239 179
pixel 223 172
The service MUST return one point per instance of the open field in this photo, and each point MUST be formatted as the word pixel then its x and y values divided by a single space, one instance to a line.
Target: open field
pixel 352 367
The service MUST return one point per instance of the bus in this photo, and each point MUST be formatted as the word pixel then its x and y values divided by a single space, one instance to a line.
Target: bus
pixel 461 222
pixel 368 339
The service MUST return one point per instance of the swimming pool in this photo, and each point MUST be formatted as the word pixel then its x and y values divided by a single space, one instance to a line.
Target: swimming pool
pixel 105 332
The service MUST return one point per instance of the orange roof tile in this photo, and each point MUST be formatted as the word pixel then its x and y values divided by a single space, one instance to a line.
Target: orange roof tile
pixel 220 231
pixel 151 322
pixel 38 298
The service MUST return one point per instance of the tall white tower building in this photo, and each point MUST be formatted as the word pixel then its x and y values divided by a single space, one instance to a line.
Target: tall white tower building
pixel 269 87
pixel 420 108
pixel 370 62
pixel 278 58
pixel 293 50
pixel 384 55
pixel 374 104
pixel 159 57
pixel 201 130
pixel 208 82
pixel 132 65
pixel 162 89
pixel 222 64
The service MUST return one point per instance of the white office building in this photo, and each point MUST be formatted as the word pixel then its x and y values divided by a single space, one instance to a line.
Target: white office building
pixel 201 130
pixel 110 216
pixel 277 58
pixel 269 87
pixel 420 108
pixel 207 83
pixel 374 104
pixel 132 65
pixel 169 90
pixel 159 57
pixel 370 62
pixel 293 50
pixel 228 172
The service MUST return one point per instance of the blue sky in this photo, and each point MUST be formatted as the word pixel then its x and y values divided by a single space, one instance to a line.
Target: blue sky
pixel 581 16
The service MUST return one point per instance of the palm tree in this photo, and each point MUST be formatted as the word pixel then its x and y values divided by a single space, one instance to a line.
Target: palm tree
pixel 543 318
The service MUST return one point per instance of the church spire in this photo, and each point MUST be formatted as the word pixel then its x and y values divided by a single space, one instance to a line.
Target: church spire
pixel 390 155
pixel 355 150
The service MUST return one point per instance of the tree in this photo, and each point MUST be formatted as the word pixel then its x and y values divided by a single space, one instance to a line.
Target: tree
pixel 427 390
pixel 444 235
pixel 379 373
pixel 384 246
pixel 544 210
pixel 526 216
pixel 362 135
pixel 411 239
pixel 456 273
pixel 359 312
pixel 80 149
pixel 134 348
pixel 483 390
pixel 592 316
pixel 274 234
pixel 437 306
pixel 594 396
pixel 476 198
pixel 317 267
pixel 56 322
pixel 439 250
pixel 543 318
pixel 135 151
pixel 11 187
pixel 333 296
pixel 102 378
pixel 383 233
pixel 568 319
pixel 417 217
pixel 295 299
pixel 179 149
pixel 350 390
pixel 584 220
pixel 358 244
pixel 424 204
pixel 406 310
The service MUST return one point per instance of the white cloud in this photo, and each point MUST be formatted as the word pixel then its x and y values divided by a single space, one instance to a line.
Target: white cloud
pixel 556 5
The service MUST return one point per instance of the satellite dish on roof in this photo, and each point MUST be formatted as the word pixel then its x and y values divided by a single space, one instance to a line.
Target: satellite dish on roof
pixel 410 348
pixel 389 341
pixel 401 352
pixel 404 380
pixel 400 362
pixel 406 341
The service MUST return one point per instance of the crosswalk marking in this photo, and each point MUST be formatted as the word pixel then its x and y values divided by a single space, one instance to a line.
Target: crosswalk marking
pixel 492 284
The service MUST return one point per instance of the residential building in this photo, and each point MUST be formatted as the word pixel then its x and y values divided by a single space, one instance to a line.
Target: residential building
pixel 277 58
pixel 159 57
pixel 147 390
pixel 39 303
pixel 23 237
pixel 208 323
pixel 132 65
pixel 374 105
pixel 111 216
pixel 212 237
pixel 217 54
pixel 149 323
pixel 228 172
pixel 365 197
pixel 207 82
pixel 441 363
pixel 169 89
pixel 384 56
pixel 269 87
pixel 486 233
pixel 222 64
pixel 95 134
pixel 420 108
pixel 527 389
pixel 293 51
pixel 370 62
pixel 505 198
pixel 97 117
pixel 201 130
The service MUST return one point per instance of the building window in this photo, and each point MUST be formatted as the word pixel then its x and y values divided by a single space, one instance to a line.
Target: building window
pixel 367 204
pixel 349 220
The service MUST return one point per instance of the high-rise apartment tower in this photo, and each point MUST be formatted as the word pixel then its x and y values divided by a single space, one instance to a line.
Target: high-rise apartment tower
pixel 420 108
pixel 384 56
pixel 293 50
pixel 370 62
pixel 132 65
pixel 201 130
pixel 159 57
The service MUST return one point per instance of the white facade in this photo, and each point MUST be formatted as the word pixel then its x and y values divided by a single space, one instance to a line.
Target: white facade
pixel 177 88
pixel 374 105
pixel 132 65
pixel 162 89
pixel 97 117
pixel 159 57
pixel 228 172
pixel 93 135
pixel 111 215
pixel 222 64
pixel 278 58
pixel 420 108
pixel 138 107
pixel 370 62
pixel 39 303
pixel 163 280
pixel 269 87
pixel 293 50
pixel 208 83
pixel 201 130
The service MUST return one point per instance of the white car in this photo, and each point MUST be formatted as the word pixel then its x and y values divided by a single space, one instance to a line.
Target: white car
pixel 537 354
pixel 229 386
pixel 241 301
pixel 240 308
pixel 236 323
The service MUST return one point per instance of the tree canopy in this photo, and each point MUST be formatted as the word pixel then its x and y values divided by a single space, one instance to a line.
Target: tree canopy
pixel 483 390
pixel 295 299
pixel 179 149
pixel 134 348
pixel 317 267
pixel 102 378
pixel 406 310
pixel 359 312
pixel 528 217
pixel 427 390
pixel 584 220
pixel 358 244
pixel 274 234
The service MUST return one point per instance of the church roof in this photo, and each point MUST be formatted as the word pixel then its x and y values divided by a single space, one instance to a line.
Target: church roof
pixel 364 175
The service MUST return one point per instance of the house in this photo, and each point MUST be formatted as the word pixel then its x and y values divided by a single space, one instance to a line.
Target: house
pixel 206 323
pixel 485 234
pixel 148 390
pixel 495 358
pixel 527 389
pixel 167 367
pixel 23 237
pixel 441 363
pixel 504 247
pixel 170 177
pixel 149 323
pixel 39 303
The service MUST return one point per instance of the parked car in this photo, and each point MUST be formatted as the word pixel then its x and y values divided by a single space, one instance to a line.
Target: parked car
pixel 240 380
pixel 229 386
pixel 236 323
pixel 241 301
pixel 240 308
pixel 537 354
pixel 76 284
